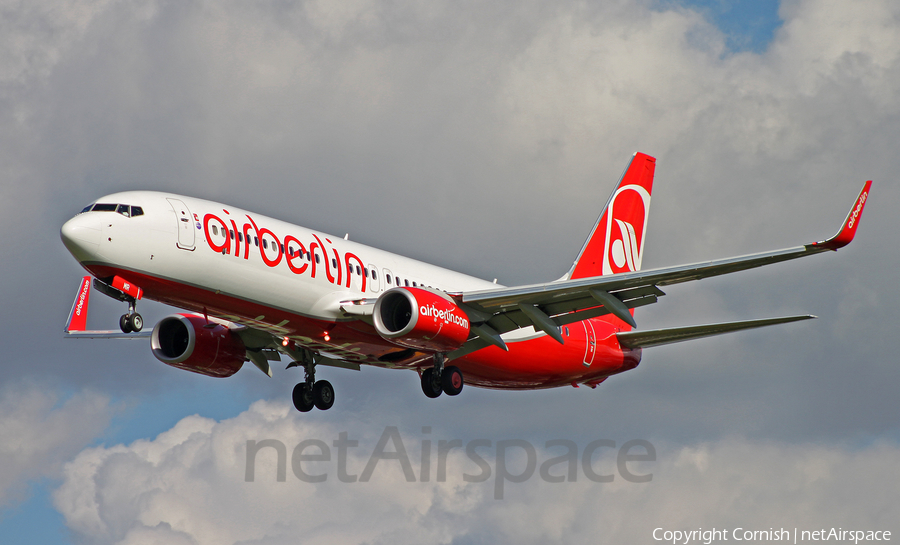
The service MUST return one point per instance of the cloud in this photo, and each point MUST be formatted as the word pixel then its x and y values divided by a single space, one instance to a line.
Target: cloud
pixel 486 139
pixel 483 138
pixel 39 432
pixel 190 485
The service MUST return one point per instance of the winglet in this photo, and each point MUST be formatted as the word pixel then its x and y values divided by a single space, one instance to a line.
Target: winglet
pixel 78 315
pixel 848 229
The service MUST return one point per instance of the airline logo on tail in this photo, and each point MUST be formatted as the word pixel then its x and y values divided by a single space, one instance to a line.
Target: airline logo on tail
pixel 616 245
pixel 626 224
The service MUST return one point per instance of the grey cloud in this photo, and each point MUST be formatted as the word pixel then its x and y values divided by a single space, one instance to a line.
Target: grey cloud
pixel 40 432
pixel 485 139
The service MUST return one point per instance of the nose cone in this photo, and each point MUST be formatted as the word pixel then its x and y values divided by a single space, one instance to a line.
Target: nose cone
pixel 81 236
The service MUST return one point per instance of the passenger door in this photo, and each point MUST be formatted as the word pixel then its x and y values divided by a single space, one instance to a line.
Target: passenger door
pixel 185 224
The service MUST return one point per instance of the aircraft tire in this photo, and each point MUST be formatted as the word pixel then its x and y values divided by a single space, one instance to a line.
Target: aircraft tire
pixel 136 322
pixel 429 387
pixel 452 380
pixel 323 395
pixel 302 398
pixel 125 324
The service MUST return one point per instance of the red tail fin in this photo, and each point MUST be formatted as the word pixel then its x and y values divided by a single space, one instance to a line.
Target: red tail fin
pixel 616 243
pixel 78 315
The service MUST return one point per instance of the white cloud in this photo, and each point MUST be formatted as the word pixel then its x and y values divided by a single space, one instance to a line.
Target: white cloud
pixel 39 433
pixel 188 485
pixel 486 137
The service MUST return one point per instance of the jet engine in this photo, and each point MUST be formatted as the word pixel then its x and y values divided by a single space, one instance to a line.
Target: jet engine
pixel 420 319
pixel 189 342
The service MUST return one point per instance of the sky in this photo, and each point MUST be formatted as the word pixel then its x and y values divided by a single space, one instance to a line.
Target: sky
pixel 484 137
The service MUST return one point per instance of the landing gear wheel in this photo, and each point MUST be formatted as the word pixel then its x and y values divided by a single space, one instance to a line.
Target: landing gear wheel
pixel 135 322
pixel 302 397
pixel 430 387
pixel 323 395
pixel 125 324
pixel 452 380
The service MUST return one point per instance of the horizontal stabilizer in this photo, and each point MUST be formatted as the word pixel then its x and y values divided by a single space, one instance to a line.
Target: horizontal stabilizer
pixel 107 334
pixel 655 337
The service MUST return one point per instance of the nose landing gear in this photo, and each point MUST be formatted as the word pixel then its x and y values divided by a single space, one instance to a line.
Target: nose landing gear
pixel 132 321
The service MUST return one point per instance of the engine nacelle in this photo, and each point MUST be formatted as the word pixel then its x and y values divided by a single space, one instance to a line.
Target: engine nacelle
pixel 420 319
pixel 188 342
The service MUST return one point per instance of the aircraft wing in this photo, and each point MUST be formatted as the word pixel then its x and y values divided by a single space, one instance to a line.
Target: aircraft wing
pixel 550 305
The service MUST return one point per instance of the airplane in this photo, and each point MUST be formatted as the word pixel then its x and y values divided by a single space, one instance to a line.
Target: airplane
pixel 255 289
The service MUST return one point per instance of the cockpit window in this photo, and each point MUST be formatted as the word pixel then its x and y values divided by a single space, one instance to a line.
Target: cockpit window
pixel 126 210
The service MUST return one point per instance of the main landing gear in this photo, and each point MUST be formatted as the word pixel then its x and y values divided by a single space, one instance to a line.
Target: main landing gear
pixel 311 393
pixel 438 379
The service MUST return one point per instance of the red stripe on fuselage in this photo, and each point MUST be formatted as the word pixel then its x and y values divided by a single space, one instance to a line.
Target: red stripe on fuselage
pixel 534 363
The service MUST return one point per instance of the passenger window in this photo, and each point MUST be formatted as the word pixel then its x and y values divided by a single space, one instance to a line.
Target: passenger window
pixel 265 244
pixel 123 209
pixel 240 237
pixel 215 230
pixel 137 211
pixel 357 269
pixel 375 275
pixel 333 263
pixel 388 279
pixel 567 331
pixel 256 241
pixel 231 234
pixel 281 247
pixel 317 258
pixel 406 282
pixel 397 279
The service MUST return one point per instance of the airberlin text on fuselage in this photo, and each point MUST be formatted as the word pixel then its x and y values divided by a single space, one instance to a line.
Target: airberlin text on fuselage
pixel 301 260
